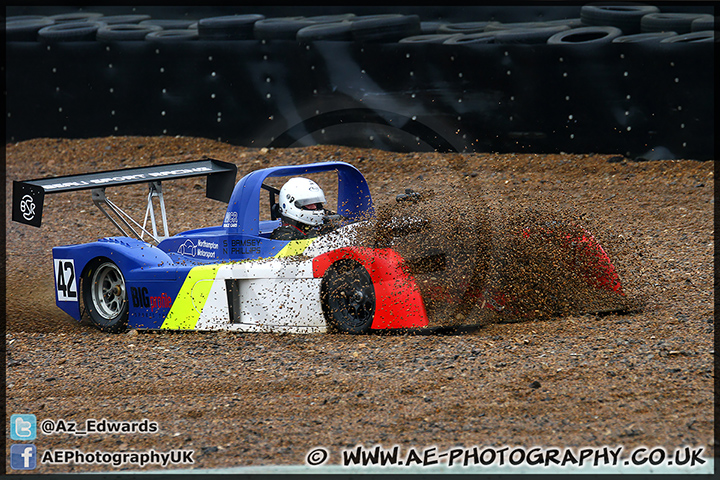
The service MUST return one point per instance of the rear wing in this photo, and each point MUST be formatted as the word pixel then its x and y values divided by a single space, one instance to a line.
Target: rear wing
pixel 29 195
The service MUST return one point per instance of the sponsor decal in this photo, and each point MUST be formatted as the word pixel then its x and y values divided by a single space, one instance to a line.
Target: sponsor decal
pixel 125 178
pixel 141 299
pixel 163 301
pixel 205 253
pixel 180 171
pixel 242 246
pixel 190 249
pixel 230 220
pixel 27 203
pixel 206 244
pixel 27 207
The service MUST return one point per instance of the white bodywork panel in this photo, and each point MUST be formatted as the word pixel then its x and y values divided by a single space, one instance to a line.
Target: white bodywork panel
pixel 278 295
pixel 274 295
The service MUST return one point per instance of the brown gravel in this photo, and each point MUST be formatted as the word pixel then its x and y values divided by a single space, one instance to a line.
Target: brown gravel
pixel 570 380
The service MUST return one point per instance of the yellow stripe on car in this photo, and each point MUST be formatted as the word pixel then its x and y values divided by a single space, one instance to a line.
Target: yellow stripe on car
pixel 295 247
pixel 188 305
pixel 193 295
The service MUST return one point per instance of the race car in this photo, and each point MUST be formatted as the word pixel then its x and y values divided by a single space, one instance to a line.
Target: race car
pixel 235 276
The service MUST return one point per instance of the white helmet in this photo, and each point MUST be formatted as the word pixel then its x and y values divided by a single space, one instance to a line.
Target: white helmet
pixel 302 200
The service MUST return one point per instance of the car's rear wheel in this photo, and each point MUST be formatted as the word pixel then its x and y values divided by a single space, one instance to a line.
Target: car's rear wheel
pixel 348 298
pixel 105 296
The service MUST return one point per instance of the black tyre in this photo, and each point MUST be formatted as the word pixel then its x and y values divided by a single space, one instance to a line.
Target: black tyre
pixel 470 39
pixel 702 24
pixel 325 31
pixel 77 17
pixel 348 298
pixel 528 35
pixel 230 27
pixel 124 19
pixel 463 27
pixel 125 31
pixel 585 35
pixel 706 36
pixel 22 18
pixel 626 17
pixel 69 32
pixel 341 17
pixel 171 24
pixel 570 22
pixel 430 38
pixel 385 28
pixel 180 35
pixel 671 22
pixel 430 27
pixel 281 28
pixel 653 37
pixel 499 26
pixel 25 30
pixel 105 296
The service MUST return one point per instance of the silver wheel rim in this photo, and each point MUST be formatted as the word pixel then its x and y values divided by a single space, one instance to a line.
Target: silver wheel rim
pixel 108 291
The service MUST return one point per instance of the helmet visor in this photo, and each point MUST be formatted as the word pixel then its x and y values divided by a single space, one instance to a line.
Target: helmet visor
pixel 310 203
pixel 311 206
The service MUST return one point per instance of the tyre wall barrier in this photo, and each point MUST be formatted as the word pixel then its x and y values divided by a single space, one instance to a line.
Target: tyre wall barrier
pixel 501 79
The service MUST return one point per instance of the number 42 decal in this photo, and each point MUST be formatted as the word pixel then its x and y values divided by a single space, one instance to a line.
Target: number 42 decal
pixel 65 283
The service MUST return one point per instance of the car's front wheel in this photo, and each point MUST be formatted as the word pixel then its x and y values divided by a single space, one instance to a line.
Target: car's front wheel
pixel 105 296
pixel 348 298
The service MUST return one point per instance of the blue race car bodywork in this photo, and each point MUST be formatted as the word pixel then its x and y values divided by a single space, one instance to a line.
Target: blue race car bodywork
pixel 174 284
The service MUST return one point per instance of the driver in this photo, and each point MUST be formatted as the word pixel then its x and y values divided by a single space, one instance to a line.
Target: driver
pixel 301 210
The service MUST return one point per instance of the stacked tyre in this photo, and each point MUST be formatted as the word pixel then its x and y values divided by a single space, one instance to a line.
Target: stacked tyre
pixel 646 23
pixel 597 24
